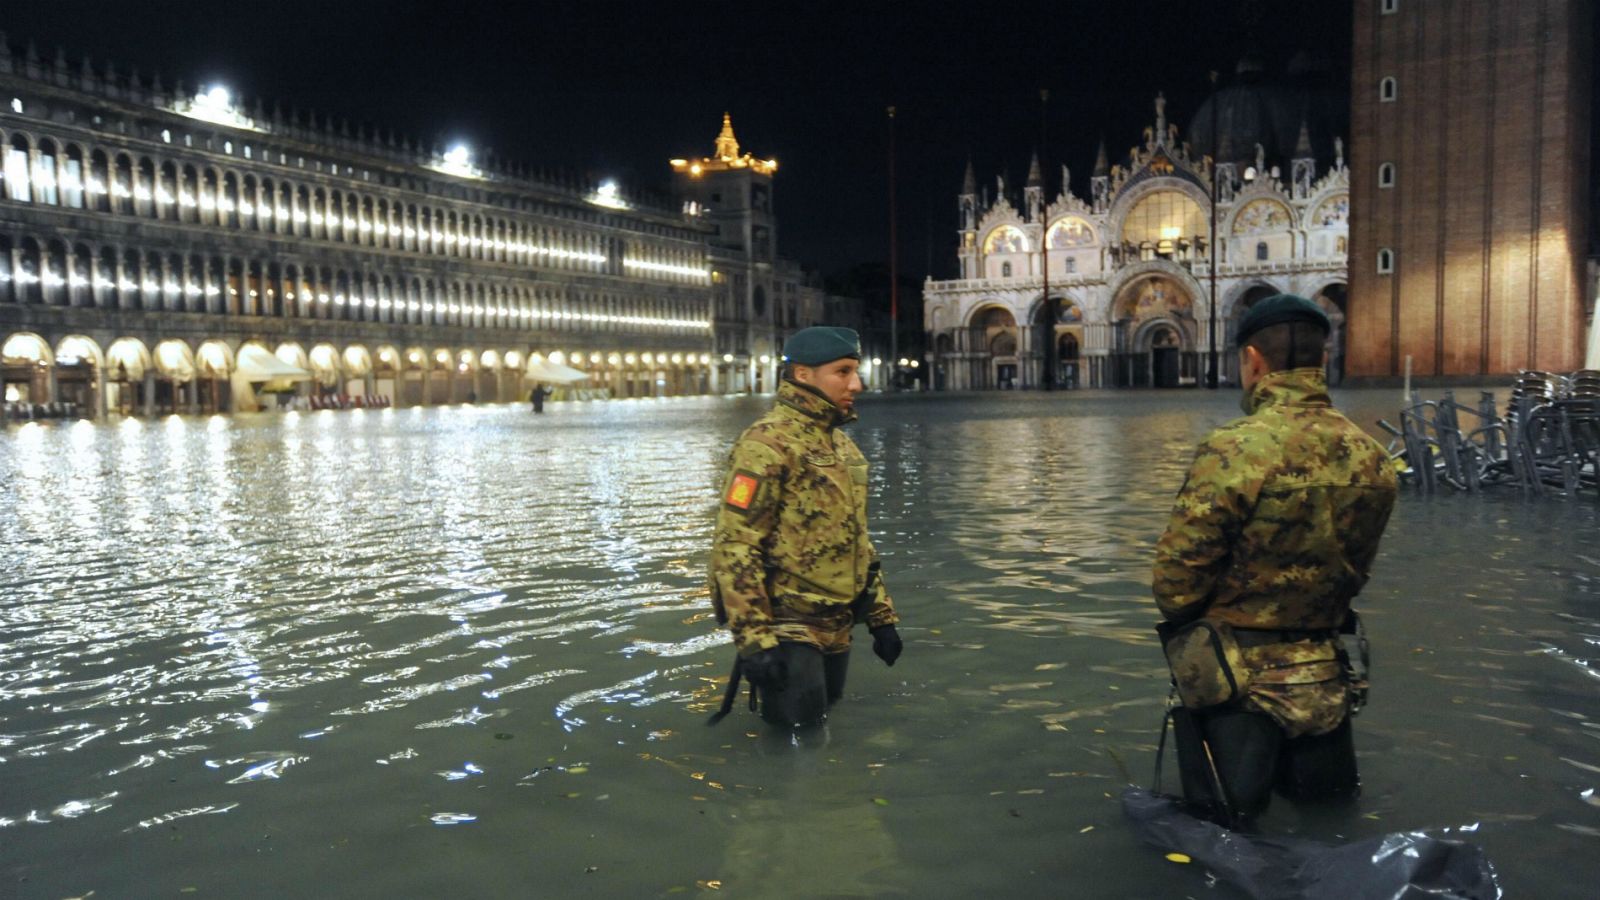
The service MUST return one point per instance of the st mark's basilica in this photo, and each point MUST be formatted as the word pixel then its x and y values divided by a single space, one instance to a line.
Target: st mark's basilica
pixel 1131 266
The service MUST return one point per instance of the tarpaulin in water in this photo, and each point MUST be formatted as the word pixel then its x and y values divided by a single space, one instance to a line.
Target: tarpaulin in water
pixel 1408 865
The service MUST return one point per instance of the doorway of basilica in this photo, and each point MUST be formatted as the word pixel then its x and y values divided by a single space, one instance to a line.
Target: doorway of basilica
pixel 1155 335
pixel 993 333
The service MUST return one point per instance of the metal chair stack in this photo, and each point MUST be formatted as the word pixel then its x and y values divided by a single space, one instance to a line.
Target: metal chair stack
pixel 1548 441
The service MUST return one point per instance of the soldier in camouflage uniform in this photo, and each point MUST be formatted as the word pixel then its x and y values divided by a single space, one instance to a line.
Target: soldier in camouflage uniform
pixel 792 553
pixel 1273 533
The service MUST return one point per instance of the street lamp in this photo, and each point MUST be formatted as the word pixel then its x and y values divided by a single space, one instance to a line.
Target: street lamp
pixel 1211 324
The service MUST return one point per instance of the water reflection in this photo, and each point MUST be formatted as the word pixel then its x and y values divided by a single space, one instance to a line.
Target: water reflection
pixel 230 645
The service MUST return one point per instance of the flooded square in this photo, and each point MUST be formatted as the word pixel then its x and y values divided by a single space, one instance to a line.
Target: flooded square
pixel 468 651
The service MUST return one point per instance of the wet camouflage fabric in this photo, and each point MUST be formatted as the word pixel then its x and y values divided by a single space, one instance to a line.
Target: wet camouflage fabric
pixel 791 549
pixel 1275 528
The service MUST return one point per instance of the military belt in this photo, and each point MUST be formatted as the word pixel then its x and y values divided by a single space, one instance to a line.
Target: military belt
pixel 1261 637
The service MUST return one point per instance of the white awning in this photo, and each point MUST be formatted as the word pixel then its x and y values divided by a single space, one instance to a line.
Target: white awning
pixel 555 373
pixel 257 363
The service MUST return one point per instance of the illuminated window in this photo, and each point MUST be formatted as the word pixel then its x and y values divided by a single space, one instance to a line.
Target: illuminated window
pixel 166 135
pixel 17 179
pixel 1388 89
pixel 1386 175
pixel 1005 239
pixel 1164 217
pixel 1385 261
pixel 16 105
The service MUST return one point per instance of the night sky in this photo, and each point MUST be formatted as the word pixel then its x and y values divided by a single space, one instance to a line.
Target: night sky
pixel 617 89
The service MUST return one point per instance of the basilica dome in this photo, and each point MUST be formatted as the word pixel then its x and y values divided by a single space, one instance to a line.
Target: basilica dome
pixel 1256 108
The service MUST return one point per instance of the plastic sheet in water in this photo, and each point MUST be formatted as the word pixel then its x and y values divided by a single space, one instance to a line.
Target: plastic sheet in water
pixel 1398 866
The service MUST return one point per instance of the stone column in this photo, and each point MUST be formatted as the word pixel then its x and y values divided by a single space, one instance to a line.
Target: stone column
pixel 99 411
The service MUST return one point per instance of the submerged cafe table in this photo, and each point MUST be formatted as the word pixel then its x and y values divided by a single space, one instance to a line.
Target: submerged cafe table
pixel 468 651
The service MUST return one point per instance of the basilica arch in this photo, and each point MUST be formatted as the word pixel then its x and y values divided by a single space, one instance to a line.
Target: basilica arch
pixel 1155 322
pixel 1333 297
pixel 997 341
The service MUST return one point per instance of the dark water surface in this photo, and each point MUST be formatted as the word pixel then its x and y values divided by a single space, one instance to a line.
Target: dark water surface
pixel 467 652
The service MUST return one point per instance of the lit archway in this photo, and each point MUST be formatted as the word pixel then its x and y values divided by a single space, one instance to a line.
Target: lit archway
pixel 325 366
pixel 25 361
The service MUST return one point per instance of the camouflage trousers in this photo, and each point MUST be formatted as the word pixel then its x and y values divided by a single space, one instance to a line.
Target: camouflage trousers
pixel 1300 685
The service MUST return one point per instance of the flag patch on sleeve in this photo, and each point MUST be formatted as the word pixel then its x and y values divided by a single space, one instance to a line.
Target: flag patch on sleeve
pixel 742 491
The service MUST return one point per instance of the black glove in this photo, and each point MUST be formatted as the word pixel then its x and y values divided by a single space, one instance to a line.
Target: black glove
pixel 766 670
pixel 886 643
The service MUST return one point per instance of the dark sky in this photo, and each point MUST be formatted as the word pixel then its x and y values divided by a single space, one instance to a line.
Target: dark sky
pixel 619 88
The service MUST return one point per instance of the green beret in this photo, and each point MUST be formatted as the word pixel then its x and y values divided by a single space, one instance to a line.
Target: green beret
pixel 821 344
pixel 1281 309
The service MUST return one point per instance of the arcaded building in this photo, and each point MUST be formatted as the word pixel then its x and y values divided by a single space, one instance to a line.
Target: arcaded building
pixel 1470 164
pixel 1132 266
pixel 163 249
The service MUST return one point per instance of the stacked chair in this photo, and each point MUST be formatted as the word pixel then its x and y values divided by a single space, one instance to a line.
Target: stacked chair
pixel 1547 441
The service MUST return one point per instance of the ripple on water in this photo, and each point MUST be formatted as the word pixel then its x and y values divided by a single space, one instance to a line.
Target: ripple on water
pixel 414 610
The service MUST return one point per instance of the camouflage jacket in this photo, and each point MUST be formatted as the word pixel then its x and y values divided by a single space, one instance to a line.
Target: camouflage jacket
pixel 1276 528
pixel 791 535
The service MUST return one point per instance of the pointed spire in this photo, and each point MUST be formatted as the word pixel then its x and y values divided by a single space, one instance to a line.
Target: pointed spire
pixel 1302 147
pixel 1066 180
pixel 727 144
pixel 1101 167
pixel 1035 178
pixel 969 181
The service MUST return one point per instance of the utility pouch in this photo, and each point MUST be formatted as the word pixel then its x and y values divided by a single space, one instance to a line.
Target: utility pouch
pixel 1207 666
pixel 1355 655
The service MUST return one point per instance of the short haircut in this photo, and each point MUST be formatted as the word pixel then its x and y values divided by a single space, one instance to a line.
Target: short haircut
pixel 1290 345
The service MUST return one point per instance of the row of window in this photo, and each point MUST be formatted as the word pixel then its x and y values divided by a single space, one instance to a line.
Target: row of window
pixel 49 272
pixel 63 174
pixel 207 105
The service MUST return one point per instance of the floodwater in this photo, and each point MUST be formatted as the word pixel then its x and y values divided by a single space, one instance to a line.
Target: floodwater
pixel 467 652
